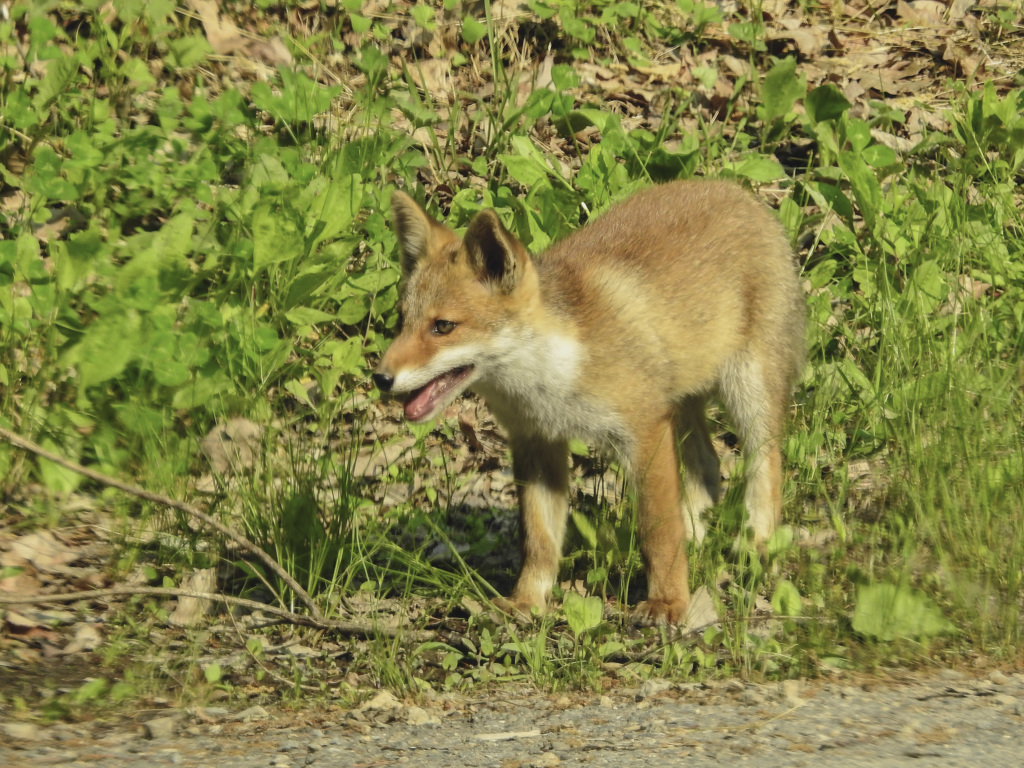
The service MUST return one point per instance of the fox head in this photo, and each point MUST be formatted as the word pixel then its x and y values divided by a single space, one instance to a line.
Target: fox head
pixel 460 303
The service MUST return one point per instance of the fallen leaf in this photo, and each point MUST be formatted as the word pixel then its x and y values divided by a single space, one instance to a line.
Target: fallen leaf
pixel 41 549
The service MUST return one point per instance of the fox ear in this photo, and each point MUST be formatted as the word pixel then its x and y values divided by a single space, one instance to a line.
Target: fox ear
pixel 418 234
pixel 494 252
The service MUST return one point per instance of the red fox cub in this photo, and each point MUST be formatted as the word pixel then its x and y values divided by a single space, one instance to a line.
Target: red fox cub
pixel 616 335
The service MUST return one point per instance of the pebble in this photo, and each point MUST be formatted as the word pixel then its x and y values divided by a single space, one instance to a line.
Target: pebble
pixel 789 691
pixel 23 731
pixel 252 713
pixel 420 716
pixel 885 726
pixel 545 760
pixel 160 728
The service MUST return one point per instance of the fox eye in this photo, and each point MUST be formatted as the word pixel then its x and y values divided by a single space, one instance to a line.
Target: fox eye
pixel 443 327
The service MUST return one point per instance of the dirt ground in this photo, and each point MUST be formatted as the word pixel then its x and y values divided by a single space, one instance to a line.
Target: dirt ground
pixel 895 719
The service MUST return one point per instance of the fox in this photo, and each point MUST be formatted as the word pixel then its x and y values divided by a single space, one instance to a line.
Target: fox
pixel 616 335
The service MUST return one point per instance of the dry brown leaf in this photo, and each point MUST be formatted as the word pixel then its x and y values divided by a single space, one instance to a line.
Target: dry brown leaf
pixel 41 549
pixel 968 62
pixel 958 8
pixel 808 40
pixel 921 12
pixel 271 52
pixel 233 446
pixel 434 78
pixel 702 611
pixel 668 72
pixel 224 37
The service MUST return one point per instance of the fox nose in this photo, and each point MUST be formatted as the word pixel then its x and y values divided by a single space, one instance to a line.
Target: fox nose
pixel 384 381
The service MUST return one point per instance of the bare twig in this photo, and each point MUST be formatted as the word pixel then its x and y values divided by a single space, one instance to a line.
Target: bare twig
pixel 142 493
pixel 344 627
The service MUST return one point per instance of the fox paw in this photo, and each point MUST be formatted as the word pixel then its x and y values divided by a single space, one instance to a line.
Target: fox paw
pixel 523 611
pixel 661 612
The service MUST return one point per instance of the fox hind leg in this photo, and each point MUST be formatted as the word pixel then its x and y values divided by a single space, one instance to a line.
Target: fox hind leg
pixel 701 470
pixel 755 394
pixel 662 532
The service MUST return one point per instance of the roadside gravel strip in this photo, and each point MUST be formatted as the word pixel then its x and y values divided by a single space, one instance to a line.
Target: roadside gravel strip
pixel 946 720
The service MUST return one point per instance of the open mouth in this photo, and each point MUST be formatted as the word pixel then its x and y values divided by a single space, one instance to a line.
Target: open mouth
pixel 423 402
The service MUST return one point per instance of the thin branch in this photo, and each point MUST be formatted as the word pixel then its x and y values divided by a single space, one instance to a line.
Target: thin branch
pixel 181 506
pixel 344 627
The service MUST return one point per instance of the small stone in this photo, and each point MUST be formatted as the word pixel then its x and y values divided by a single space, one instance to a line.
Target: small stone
pixel 562 702
pixel 545 760
pixel 160 728
pixel 653 687
pixel 752 698
pixel 22 731
pixel 255 712
pixel 1005 700
pixel 385 700
pixel 999 678
pixel 420 716
pixel 790 690
pixel 606 701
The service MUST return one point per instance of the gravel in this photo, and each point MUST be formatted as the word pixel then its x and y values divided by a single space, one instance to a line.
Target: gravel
pixel 945 720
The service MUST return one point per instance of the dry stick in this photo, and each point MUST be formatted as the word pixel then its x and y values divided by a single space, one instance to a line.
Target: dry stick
pixel 344 627
pixel 181 506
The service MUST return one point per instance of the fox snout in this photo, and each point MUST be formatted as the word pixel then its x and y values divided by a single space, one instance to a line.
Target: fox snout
pixel 384 381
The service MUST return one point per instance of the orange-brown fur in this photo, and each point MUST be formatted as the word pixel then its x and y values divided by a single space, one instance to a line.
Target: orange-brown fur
pixel 616 335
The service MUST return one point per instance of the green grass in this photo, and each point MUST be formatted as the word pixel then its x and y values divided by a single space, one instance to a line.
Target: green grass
pixel 174 252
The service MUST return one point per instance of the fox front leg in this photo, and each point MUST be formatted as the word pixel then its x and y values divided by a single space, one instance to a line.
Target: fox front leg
pixel 542 478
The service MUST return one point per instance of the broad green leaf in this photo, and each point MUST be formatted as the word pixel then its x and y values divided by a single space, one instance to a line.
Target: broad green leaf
pixel 90 691
pixel 866 189
pixel 308 316
pixel 786 600
pixel 586 528
pixel 360 24
pixel 298 391
pixel 879 156
pixel 107 346
pixel 473 31
pixel 275 237
pixel 927 287
pixel 202 390
pixel 337 209
pixel 782 87
pixel 826 102
pixel 60 74
pixel 188 51
pixel 582 613
pixel 423 15
pixel 376 280
pixel 759 168
pixel 887 611
pixel 55 477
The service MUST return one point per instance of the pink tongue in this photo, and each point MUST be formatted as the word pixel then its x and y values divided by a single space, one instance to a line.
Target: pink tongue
pixel 422 400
